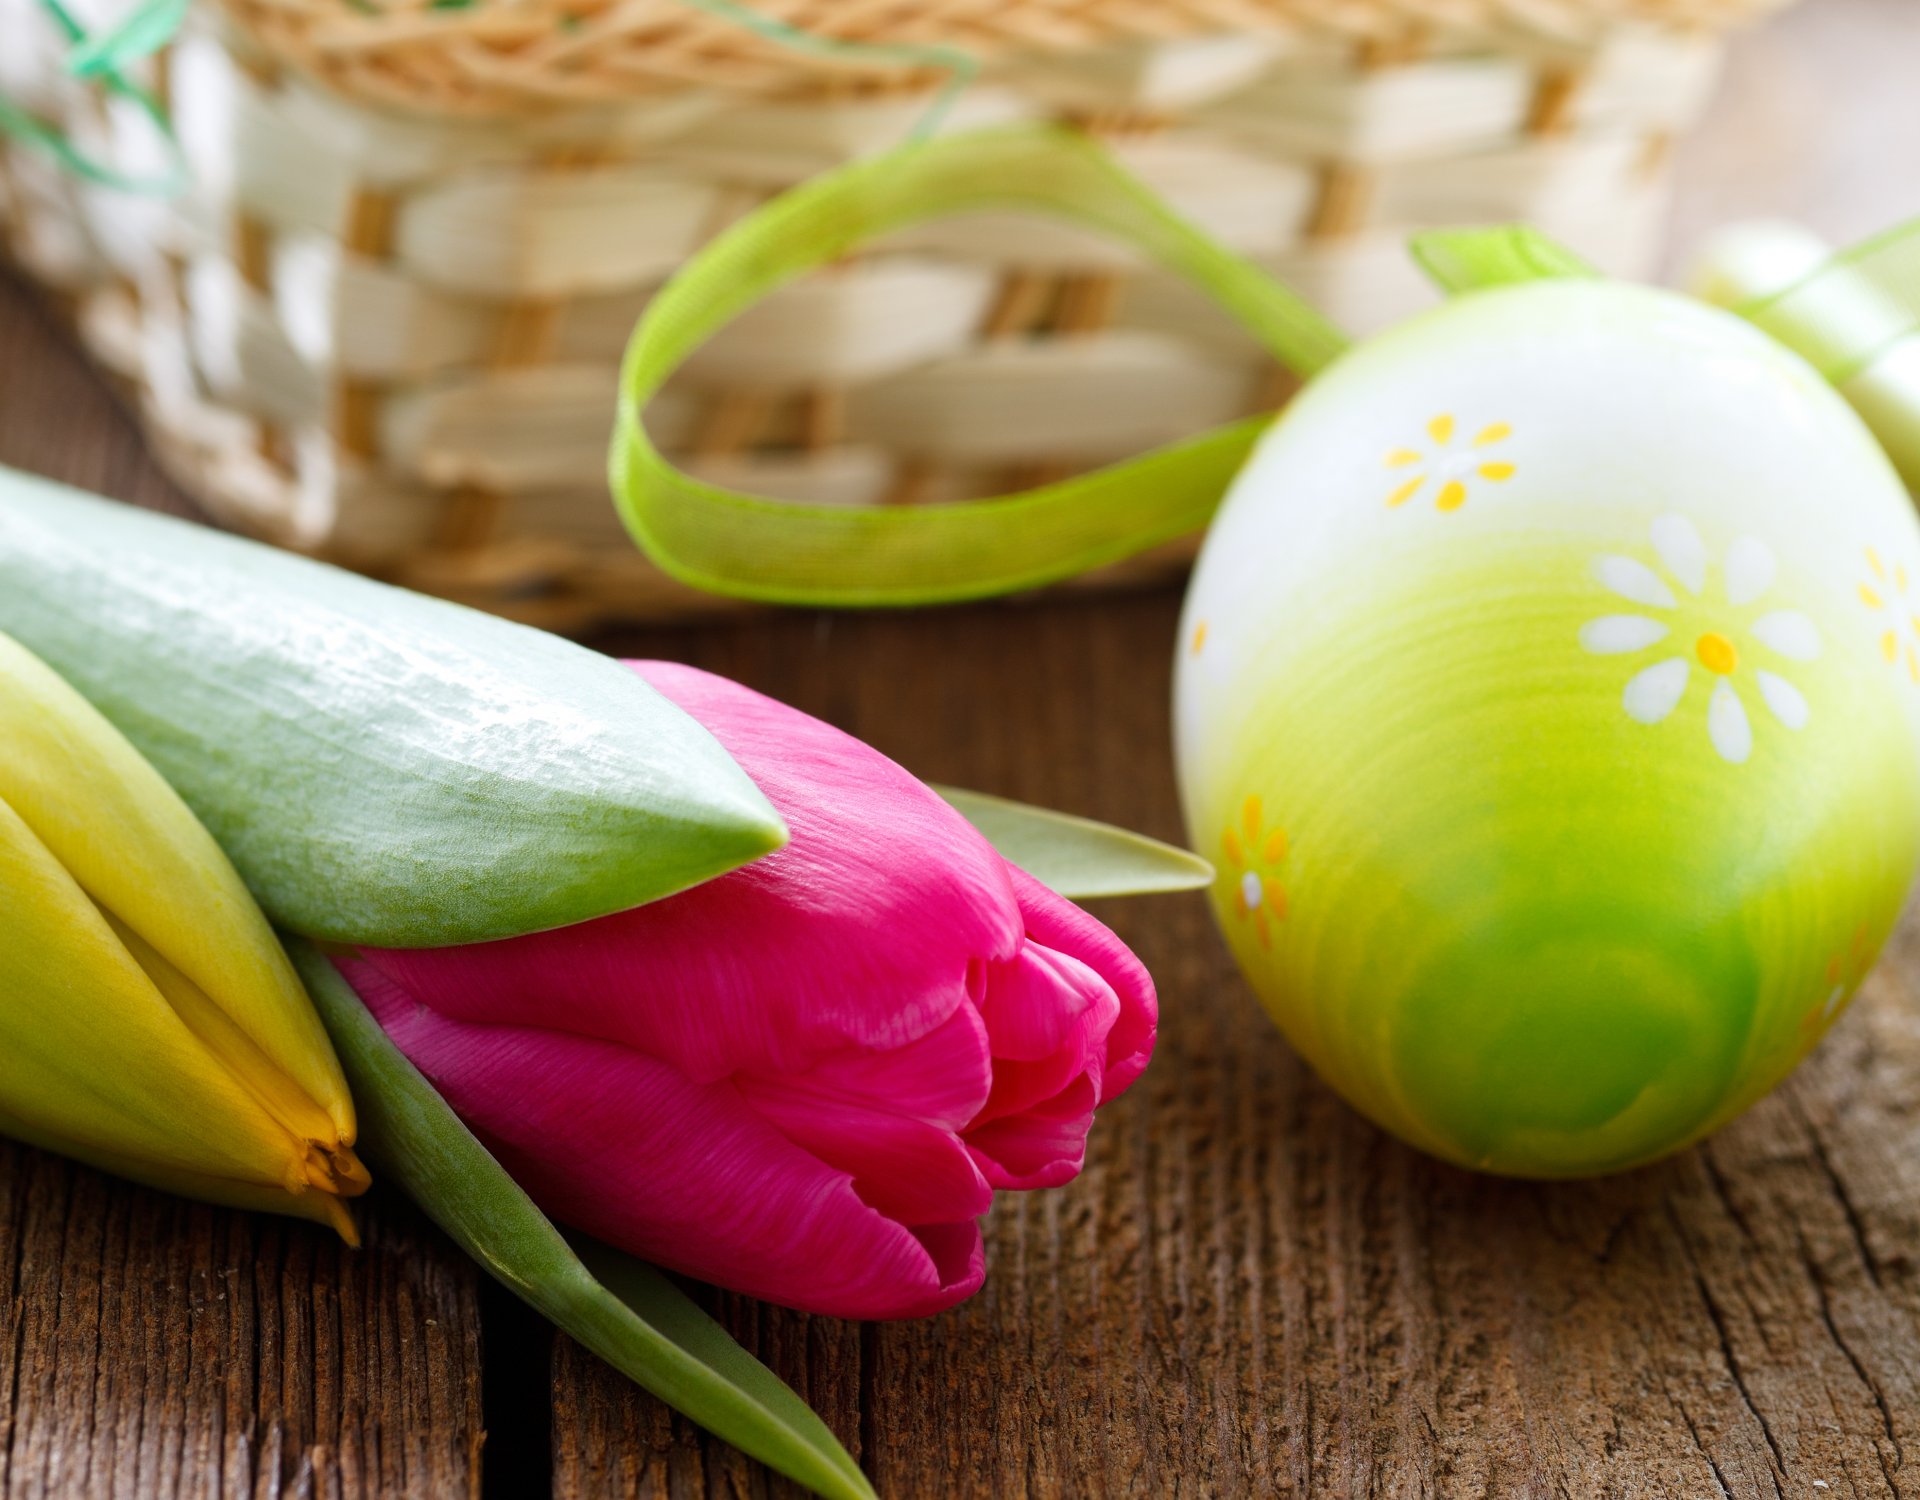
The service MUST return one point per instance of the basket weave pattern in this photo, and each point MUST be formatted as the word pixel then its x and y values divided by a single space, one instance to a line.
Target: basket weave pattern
pixel 384 324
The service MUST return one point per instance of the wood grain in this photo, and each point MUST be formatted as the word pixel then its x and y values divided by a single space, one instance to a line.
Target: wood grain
pixel 1249 1291
pixel 152 1349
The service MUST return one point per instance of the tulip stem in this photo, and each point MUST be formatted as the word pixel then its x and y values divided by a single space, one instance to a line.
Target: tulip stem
pixel 632 1316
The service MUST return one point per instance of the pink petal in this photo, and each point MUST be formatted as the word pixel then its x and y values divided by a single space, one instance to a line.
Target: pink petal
pixel 1033 1001
pixel 1019 1087
pixel 1072 1016
pixel 1040 1147
pixel 1033 1131
pixel 1082 1010
pixel 1057 923
pixel 859 932
pixel 943 1078
pixel 682 1173
pixel 890 1119
pixel 908 1170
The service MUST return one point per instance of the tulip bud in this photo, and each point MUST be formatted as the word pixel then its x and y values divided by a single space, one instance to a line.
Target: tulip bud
pixel 805 1079
pixel 150 1023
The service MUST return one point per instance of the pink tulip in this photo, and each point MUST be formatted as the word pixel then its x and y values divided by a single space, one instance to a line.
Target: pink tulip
pixel 803 1080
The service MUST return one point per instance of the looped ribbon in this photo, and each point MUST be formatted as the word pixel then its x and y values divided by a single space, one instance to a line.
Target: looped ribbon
pixel 749 546
pixel 105 58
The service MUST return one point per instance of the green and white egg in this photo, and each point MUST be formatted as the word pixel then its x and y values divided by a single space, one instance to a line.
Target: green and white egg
pixel 1549 701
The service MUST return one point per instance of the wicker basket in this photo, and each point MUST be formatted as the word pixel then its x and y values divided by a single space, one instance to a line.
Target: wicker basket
pixel 384 322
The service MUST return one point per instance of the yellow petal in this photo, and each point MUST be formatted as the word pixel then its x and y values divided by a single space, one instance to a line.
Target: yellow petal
pixel 1401 457
pixel 137 850
pixel 1452 496
pixel 1406 491
pixel 92 1054
pixel 153 1021
pixel 275 1092
pixel 1494 432
pixel 1496 472
pixel 1440 429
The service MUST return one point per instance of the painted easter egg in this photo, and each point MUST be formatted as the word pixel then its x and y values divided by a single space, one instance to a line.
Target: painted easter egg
pixel 1549 701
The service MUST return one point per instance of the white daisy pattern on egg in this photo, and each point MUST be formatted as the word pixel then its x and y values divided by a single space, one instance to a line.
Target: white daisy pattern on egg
pixel 1728 631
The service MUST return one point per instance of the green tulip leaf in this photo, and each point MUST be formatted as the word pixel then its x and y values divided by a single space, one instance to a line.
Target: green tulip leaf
pixel 628 1313
pixel 1077 857
pixel 381 767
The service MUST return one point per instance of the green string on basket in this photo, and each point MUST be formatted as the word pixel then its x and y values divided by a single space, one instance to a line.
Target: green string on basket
pixel 104 59
pixel 734 543
pixel 960 67
pixel 141 32
pixel 151 24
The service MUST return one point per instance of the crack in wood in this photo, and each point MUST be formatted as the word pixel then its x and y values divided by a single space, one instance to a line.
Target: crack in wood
pixel 1693 1429
pixel 1843 1195
pixel 1818 1277
pixel 1732 1362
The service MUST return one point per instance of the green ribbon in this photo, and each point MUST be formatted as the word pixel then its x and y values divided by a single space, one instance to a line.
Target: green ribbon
pixel 1849 310
pixel 104 59
pixel 1853 316
pixel 1471 260
pixel 741 544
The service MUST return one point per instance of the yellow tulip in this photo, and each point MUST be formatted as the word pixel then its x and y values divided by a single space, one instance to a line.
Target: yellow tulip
pixel 150 1022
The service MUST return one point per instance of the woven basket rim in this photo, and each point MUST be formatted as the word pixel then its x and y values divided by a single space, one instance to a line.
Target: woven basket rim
pixel 507 57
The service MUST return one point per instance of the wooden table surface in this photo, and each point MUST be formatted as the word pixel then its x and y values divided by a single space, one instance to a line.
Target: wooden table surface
pixel 1249 1291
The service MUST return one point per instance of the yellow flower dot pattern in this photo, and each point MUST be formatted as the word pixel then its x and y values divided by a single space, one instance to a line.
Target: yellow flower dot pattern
pixel 1254 854
pixel 1452 469
pixel 1884 591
